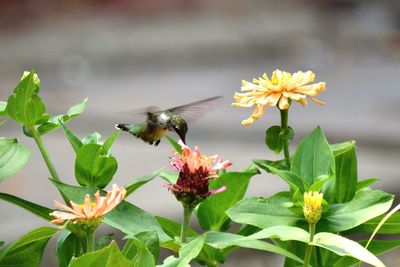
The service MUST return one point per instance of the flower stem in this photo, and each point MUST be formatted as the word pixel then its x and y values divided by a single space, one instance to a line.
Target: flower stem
pixel 187 213
pixel 45 155
pixel 284 128
pixel 90 241
pixel 309 247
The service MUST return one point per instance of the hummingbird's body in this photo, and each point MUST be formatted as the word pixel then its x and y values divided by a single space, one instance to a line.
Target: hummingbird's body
pixel 159 123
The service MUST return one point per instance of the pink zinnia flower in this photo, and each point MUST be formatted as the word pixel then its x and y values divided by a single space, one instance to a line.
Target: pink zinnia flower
pixel 195 170
pixel 89 211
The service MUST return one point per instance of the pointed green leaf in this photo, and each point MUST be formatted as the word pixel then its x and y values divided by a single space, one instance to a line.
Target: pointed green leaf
pixel 170 177
pixel 28 250
pixel 141 181
pixel 94 168
pixel 55 121
pixel 3 106
pixel 391 226
pixel 345 247
pixel 143 249
pixel 40 211
pixel 226 240
pixel 313 157
pixel 365 205
pixel 92 138
pixel 377 247
pixel 289 177
pixel 109 256
pixel 126 217
pixel 174 144
pixel 110 140
pixel 172 228
pixel 211 212
pixel 346 174
pixel 13 156
pixel 24 105
pixel 365 183
pixel 137 252
pixel 265 164
pixel 68 246
pixel 74 141
pixel 103 241
pixel 186 254
pixel 265 212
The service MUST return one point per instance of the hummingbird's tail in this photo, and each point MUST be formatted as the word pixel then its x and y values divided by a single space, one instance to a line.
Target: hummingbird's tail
pixel 122 126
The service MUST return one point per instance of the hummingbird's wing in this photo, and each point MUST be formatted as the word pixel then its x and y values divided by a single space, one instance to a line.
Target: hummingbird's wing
pixel 190 112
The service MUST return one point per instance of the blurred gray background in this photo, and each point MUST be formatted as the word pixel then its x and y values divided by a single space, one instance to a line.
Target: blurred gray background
pixel 129 54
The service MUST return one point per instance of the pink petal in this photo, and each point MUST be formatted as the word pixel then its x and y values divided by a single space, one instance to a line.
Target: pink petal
pixel 219 190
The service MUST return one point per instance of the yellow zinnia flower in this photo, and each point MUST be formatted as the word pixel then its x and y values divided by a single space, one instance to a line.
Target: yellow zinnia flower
pixel 278 90
pixel 312 208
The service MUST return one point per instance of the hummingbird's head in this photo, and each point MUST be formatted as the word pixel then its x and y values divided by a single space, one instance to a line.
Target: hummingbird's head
pixel 181 128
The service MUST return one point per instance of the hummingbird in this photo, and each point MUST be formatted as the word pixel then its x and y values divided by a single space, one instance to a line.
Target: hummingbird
pixel 158 123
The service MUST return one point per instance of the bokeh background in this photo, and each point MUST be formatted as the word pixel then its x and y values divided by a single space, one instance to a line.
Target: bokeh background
pixel 129 54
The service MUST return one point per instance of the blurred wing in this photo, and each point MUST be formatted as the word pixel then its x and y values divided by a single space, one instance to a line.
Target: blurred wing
pixel 190 112
pixel 139 114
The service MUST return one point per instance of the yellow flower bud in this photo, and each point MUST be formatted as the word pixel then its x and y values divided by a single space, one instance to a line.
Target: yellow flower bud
pixel 312 206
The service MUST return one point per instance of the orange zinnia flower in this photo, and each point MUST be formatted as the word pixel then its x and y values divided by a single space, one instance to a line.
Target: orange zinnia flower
pixel 278 90
pixel 89 211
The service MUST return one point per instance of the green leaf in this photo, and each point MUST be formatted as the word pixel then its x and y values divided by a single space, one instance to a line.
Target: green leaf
pixel 391 226
pixel 265 164
pixel 109 256
pixel 313 157
pixel 226 240
pixel 377 247
pixel 92 138
pixel 346 174
pixel 103 241
pixel 126 217
pixel 172 228
pixel 345 247
pixel 174 144
pixel 341 148
pixel 186 254
pixel 143 249
pixel 289 177
pixel 28 250
pixel 211 212
pixel 94 168
pixel 365 183
pixel 55 121
pixel 74 141
pixel 141 181
pixel 170 177
pixel 3 106
pixel 13 156
pixel 265 212
pixel 274 138
pixel 68 246
pixel 137 252
pixel 24 105
pixel 365 205
pixel 110 140
pixel 40 211
pixel 1 243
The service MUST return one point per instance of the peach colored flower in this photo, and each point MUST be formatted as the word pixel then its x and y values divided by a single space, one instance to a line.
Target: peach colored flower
pixel 89 211
pixel 195 170
pixel 277 91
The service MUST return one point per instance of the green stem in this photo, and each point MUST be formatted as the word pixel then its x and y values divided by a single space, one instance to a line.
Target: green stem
pixel 45 155
pixel 284 128
pixel 187 213
pixel 90 241
pixel 309 247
